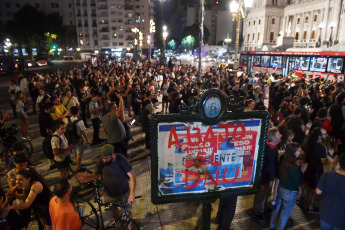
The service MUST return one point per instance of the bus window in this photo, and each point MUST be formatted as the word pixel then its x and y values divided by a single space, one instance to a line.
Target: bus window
pixel 302 63
pixel 256 61
pixel 276 62
pixel 265 61
pixel 244 59
pixel 335 65
pixel 318 64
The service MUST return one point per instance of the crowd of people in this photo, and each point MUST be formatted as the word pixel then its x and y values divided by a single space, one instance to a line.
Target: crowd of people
pixel 67 103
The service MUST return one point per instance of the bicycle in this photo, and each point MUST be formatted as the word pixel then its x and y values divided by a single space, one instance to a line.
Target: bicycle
pixel 93 217
pixel 9 141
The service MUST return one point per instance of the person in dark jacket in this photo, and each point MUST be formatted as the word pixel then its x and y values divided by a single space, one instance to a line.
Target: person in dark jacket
pixel 269 172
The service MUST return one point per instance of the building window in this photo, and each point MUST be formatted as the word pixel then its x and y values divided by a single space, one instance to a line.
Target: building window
pixel 119 20
pixel 298 20
pixel 120 35
pixel 248 38
pixel 113 13
pixel 296 36
pixel 80 34
pixel 315 17
pixel 272 37
pixel 258 36
pixel 81 42
pixel 55 5
pixel 273 21
pixel 259 21
pixel 249 23
pixel 95 42
pixel 304 35
pixel 253 37
pixel 313 34
pixel 120 43
pixel 105 43
pixel 306 19
pixel 112 6
pixel 114 43
pixel 254 23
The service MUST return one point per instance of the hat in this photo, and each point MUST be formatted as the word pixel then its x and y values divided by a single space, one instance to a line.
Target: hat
pixel 107 150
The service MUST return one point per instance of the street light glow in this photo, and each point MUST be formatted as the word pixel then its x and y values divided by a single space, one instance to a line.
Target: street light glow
pixel 248 3
pixel 234 6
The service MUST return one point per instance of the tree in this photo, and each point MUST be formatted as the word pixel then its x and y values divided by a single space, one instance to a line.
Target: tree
pixel 188 42
pixel 172 44
pixel 28 26
pixel 193 30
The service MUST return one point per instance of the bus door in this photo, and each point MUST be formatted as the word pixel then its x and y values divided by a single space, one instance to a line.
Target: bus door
pixel 249 65
pixel 284 65
pixel 291 63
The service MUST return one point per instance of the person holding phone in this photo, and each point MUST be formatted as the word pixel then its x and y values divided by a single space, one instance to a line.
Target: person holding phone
pixel 61 149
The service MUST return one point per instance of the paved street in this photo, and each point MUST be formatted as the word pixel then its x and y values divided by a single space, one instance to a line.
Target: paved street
pixel 184 215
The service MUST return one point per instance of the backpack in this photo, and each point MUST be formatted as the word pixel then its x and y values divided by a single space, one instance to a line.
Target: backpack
pixel 47 146
pixel 71 133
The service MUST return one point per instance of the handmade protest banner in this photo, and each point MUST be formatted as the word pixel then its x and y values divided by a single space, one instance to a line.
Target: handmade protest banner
pixel 197 158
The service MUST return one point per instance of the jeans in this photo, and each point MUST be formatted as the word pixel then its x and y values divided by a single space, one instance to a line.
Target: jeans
pixel 325 226
pixel 286 199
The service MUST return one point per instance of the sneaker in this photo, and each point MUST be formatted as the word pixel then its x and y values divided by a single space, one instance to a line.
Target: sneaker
pixel 313 211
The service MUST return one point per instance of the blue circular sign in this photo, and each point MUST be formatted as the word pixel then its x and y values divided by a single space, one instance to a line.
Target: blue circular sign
pixel 212 106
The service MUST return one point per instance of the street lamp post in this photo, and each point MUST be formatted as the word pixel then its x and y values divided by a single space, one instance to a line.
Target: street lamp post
pixel 227 41
pixel 319 42
pixel 78 50
pixel 59 52
pixel 162 61
pixel 331 35
pixel 236 8
pixel 149 44
pixel 165 35
pixel 152 31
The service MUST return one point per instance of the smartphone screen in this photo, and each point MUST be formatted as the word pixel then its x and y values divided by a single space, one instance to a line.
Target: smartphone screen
pixel 132 122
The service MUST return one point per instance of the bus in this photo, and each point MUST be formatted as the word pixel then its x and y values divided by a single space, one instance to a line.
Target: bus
pixel 313 64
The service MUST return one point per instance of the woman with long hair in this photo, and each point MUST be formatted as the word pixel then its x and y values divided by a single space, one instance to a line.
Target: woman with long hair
pixel 290 172
pixel 24 121
pixel 38 197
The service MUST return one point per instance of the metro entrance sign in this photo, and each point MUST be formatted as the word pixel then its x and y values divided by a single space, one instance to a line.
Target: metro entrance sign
pixel 207 152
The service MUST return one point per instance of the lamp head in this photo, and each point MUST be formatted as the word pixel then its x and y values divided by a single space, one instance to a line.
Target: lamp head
pixel 248 3
pixel 234 6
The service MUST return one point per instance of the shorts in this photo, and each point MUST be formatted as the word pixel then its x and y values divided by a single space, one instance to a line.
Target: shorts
pixel 109 199
pixel 22 116
pixel 80 148
pixel 165 99
pixel 63 164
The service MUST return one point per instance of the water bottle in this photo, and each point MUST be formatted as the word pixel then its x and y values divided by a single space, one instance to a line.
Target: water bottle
pixel 81 210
